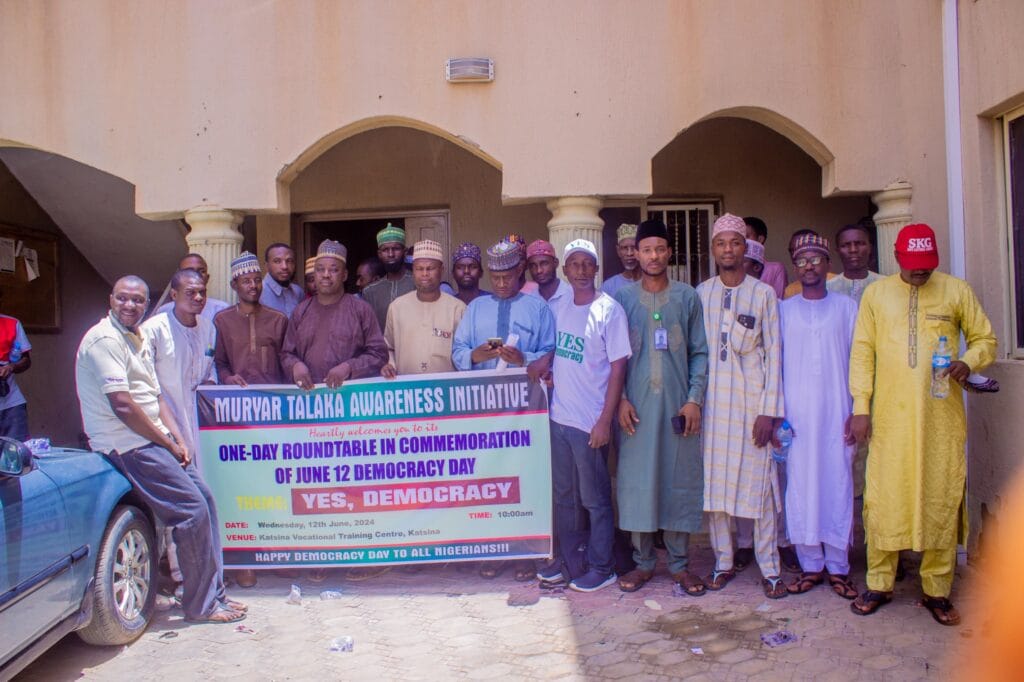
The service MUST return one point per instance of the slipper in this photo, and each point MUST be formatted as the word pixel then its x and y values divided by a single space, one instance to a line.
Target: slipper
pixel 229 603
pixel 870 601
pixel 219 616
pixel 690 583
pixel 774 588
pixel 634 580
pixel 719 579
pixel 807 582
pixel 842 585
pixel 942 610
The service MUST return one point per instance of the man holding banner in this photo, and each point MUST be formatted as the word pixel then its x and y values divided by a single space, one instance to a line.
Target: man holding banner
pixel 332 336
pixel 421 323
pixel 507 327
pixel 589 369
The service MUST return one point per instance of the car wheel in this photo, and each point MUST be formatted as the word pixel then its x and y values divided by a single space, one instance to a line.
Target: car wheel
pixel 123 591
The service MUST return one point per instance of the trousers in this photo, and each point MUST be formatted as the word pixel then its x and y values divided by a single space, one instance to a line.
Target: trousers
pixel 179 498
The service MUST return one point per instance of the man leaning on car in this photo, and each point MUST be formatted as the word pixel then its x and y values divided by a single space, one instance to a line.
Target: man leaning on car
pixel 126 418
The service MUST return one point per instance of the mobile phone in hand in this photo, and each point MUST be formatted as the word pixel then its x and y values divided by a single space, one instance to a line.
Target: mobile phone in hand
pixel 495 343
pixel 678 425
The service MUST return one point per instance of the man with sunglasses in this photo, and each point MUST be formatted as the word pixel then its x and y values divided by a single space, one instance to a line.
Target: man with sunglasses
pixel 817 330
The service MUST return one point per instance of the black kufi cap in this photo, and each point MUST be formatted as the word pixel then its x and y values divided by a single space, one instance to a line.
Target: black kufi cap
pixel 651 228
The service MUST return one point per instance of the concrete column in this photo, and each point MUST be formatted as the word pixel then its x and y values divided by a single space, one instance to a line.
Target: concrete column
pixel 894 213
pixel 575 218
pixel 215 237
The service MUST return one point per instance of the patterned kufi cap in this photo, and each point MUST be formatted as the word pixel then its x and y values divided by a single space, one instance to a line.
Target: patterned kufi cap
pixel 755 251
pixel 310 265
pixel 331 249
pixel 504 256
pixel 391 234
pixel 244 264
pixel 729 223
pixel 811 242
pixel 467 250
pixel 625 231
pixel 427 248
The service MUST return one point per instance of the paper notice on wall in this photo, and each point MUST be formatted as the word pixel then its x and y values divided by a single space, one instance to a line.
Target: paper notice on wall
pixel 31 263
pixel 6 255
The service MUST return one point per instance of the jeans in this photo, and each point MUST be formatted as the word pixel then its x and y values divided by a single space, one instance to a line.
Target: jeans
pixel 179 498
pixel 576 465
pixel 14 422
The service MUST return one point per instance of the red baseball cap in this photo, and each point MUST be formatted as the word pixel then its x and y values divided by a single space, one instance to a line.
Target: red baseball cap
pixel 916 248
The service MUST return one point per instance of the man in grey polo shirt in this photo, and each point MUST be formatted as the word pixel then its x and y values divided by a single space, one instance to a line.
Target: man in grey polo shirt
pixel 126 418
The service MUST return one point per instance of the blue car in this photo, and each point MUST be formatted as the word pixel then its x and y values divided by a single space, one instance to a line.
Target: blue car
pixel 77 553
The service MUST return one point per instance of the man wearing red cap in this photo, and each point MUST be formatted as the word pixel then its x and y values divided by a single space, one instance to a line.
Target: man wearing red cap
pixel 914 493
pixel 543 265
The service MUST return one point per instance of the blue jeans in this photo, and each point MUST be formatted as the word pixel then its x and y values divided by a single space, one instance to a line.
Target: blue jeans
pixel 580 481
pixel 14 422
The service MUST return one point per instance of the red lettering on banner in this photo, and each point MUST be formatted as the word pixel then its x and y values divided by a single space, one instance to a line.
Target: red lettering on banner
pixel 404 496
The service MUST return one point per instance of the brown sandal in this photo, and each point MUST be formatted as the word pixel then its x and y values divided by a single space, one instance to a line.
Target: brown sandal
pixel 719 579
pixel 774 588
pixel 691 584
pixel 942 610
pixel 870 601
pixel 807 582
pixel 220 616
pixel 843 586
pixel 634 580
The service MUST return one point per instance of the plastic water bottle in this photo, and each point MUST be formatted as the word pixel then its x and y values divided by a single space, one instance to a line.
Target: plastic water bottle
pixel 15 353
pixel 941 360
pixel 785 435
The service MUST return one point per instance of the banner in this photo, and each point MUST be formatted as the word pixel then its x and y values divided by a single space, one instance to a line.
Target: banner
pixel 434 468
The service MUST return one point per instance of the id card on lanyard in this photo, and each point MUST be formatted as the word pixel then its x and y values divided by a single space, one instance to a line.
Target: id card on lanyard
pixel 660 334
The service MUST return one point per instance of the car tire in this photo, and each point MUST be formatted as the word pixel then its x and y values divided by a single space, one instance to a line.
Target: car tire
pixel 124 594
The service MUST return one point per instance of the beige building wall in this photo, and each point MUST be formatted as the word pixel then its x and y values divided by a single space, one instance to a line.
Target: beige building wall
pixel 49 385
pixel 199 103
pixel 991 84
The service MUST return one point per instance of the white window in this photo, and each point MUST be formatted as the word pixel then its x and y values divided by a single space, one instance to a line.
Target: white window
pixel 1013 147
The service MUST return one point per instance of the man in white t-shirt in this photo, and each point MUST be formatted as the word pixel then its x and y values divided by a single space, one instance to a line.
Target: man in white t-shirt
pixel 589 368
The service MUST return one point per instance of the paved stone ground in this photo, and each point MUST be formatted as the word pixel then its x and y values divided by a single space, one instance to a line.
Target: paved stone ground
pixel 445 622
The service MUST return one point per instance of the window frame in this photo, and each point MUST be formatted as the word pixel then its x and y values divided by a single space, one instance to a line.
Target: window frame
pixel 1015 297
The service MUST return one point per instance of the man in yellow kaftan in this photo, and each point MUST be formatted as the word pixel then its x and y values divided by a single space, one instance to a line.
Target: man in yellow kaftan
pixel 916 468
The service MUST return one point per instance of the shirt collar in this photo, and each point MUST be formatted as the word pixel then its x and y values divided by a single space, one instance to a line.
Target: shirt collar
pixel 134 337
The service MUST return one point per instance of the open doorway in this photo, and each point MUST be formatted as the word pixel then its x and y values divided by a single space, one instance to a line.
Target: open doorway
pixel 358 232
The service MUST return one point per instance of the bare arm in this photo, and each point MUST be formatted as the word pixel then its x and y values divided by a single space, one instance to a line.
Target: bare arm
pixel 135 419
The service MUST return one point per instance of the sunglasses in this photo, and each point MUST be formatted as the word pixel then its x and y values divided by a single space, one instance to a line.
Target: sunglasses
pixel 804 262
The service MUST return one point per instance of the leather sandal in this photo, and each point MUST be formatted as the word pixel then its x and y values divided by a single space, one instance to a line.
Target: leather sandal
pixel 220 616
pixel 719 579
pixel 691 584
pixel 634 580
pixel 807 582
pixel 774 588
pixel 843 586
pixel 870 601
pixel 942 610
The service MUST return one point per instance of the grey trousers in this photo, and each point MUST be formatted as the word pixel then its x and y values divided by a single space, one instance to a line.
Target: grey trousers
pixel 179 498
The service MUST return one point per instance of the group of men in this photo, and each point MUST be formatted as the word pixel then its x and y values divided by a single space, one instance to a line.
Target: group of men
pixel 690 384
